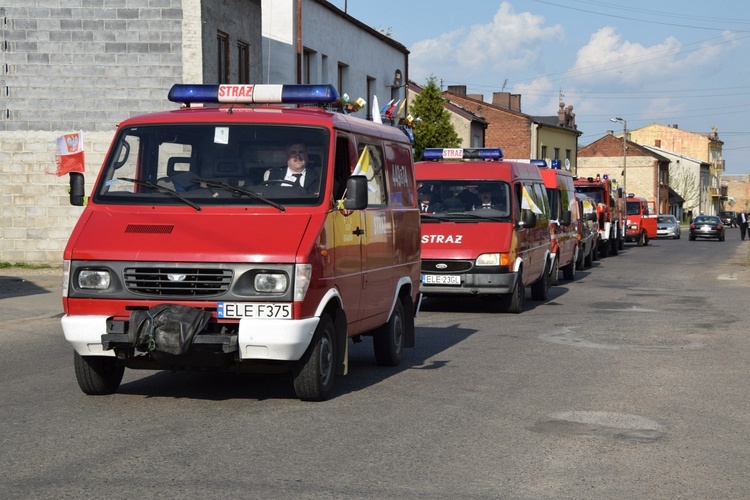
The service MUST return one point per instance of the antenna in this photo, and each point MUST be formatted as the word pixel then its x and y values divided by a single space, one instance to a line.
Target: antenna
pixel 561 95
pixel 505 83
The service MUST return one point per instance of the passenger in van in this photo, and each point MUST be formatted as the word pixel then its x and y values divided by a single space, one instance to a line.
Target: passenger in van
pixel 452 202
pixel 296 172
pixel 484 194
pixel 425 201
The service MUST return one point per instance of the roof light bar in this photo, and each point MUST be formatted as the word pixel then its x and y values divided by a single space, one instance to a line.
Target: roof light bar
pixel 462 154
pixel 253 94
pixel 539 163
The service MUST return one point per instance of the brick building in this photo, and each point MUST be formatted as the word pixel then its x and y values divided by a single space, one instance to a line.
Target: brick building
pixel 470 127
pixel 519 135
pixel 646 173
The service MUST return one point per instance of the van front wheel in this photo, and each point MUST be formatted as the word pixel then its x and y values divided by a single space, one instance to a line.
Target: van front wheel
pixel 514 301
pixel 97 375
pixel 314 372
pixel 540 289
pixel 388 340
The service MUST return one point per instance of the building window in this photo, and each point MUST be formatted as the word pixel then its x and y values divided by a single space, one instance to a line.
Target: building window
pixel 544 152
pixel 343 78
pixel 243 60
pixel 557 154
pixel 222 58
pixel 307 63
pixel 370 91
pixel 324 68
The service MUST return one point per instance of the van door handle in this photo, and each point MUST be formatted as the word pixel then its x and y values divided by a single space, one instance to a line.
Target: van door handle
pixel 358 232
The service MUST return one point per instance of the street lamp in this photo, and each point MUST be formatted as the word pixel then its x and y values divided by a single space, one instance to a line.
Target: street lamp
pixel 617 119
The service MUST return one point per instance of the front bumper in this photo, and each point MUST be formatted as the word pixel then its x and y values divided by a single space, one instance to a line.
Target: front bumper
pixel 475 284
pixel 261 339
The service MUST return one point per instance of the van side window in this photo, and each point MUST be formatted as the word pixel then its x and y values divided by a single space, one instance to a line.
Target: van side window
pixel 375 173
pixel 540 197
pixel 342 168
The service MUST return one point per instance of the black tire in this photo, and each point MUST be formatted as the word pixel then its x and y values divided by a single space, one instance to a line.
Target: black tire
pixel 594 254
pixel 691 237
pixel 588 260
pixel 388 340
pixel 645 240
pixel 569 271
pixel 554 275
pixel 98 375
pixel 540 289
pixel 315 371
pixel 604 249
pixel 614 246
pixel 641 240
pixel 620 242
pixel 721 238
pixel 515 301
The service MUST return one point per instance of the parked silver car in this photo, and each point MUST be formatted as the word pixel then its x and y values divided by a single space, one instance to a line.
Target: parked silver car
pixel 667 227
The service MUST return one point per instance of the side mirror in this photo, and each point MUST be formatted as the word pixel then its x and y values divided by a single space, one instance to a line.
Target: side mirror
pixel 567 217
pixel 356 193
pixel 528 219
pixel 77 189
pixel 591 217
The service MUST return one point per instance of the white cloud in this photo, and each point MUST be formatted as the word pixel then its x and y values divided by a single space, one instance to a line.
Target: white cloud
pixel 510 42
pixel 608 59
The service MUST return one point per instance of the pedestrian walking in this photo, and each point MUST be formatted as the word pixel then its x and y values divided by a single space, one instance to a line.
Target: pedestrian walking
pixel 743 224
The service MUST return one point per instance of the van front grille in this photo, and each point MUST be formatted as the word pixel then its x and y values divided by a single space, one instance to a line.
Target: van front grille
pixel 187 282
pixel 446 266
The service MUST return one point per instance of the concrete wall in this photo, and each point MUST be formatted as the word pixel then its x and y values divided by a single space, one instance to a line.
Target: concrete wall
pixel 70 65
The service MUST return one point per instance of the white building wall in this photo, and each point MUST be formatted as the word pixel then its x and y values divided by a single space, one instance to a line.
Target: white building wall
pixel 331 39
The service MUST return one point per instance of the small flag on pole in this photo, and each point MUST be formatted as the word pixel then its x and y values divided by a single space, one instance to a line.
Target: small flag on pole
pixel 401 109
pixel 70 156
pixel 363 164
pixel 376 116
pixel 527 203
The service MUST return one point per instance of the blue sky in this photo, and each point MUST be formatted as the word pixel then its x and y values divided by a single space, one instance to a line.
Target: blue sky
pixel 669 62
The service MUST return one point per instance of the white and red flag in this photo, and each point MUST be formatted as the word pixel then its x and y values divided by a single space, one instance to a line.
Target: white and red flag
pixel 70 157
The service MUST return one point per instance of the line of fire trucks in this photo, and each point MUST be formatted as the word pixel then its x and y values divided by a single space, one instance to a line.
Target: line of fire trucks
pixel 620 219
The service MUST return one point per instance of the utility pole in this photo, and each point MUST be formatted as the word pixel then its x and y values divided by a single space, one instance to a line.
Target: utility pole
pixel 624 151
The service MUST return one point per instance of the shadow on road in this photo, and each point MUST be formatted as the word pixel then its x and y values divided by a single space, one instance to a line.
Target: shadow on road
pixel 363 372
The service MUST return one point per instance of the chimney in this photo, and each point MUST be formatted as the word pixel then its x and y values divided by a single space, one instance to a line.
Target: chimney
pixel 610 132
pixel 507 100
pixel 457 89
pixel 478 97
pixel 674 126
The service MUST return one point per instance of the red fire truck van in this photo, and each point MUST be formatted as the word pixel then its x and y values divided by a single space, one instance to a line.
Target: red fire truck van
pixel 485 226
pixel 640 225
pixel 610 208
pixel 564 219
pixel 197 249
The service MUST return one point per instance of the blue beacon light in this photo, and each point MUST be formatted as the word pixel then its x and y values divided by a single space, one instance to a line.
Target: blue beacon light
pixel 253 94
pixel 462 154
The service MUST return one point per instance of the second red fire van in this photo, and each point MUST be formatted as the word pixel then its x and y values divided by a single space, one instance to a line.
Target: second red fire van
pixel 485 227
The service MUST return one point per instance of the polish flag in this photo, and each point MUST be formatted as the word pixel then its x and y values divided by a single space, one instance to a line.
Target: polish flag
pixel 70 156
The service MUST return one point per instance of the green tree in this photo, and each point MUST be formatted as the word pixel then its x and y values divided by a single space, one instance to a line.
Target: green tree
pixel 435 129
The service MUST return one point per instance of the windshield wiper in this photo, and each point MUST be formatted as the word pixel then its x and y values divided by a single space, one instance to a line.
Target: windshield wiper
pixel 164 190
pixel 238 190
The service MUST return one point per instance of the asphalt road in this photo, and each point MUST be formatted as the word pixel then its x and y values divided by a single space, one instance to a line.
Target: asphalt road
pixel 631 382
